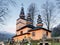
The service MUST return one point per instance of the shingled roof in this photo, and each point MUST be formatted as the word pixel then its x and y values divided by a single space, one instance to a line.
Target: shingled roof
pixel 30 26
pixel 20 35
pixel 36 28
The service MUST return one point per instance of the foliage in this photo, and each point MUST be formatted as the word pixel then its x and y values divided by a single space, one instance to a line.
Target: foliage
pixel 36 42
pixel 56 31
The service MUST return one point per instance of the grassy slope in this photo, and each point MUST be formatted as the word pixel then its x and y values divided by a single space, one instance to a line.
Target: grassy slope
pixel 52 43
pixel 55 43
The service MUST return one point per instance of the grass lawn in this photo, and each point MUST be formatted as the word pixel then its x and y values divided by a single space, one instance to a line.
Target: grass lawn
pixel 55 44
pixel 52 43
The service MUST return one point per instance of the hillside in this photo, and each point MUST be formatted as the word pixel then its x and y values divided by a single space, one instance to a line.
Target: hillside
pixel 5 35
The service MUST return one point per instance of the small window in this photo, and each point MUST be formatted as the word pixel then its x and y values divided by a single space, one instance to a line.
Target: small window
pixel 46 33
pixel 33 33
pixel 21 32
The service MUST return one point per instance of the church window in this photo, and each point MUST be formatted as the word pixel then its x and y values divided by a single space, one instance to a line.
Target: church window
pixel 46 33
pixel 33 33
pixel 21 32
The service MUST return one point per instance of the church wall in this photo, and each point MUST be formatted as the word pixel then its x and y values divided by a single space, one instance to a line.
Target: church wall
pixel 20 23
pixel 25 30
pixel 15 39
pixel 21 20
pixel 17 32
pixel 39 34
pixel 49 35
pixel 45 32
pixel 19 38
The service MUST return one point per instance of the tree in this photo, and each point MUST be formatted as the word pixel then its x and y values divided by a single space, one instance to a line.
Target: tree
pixel 56 31
pixel 4 4
pixel 48 16
pixel 32 10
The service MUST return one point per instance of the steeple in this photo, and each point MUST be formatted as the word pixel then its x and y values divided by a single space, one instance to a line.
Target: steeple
pixel 22 14
pixel 39 21
pixel 29 19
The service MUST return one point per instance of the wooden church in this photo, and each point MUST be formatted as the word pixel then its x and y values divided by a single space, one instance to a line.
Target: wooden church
pixel 25 28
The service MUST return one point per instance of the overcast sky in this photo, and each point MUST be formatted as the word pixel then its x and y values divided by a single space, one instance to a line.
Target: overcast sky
pixel 15 11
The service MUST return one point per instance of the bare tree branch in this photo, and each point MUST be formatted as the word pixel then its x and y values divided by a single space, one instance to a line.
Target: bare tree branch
pixel 32 10
pixel 48 15
pixel 4 4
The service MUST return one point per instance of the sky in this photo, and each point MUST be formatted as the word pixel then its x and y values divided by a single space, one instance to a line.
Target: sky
pixel 15 11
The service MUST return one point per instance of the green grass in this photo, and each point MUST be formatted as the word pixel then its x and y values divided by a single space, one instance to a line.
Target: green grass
pixel 35 43
pixel 55 43
pixel 51 44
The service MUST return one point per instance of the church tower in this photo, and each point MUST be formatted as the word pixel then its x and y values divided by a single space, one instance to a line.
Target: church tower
pixel 22 14
pixel 39 21
pixel 21 22
pixel 29 19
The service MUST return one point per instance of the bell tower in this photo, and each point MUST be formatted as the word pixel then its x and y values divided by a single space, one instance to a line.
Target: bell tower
pixel 39 21
pixel 22 14
pixel 21 21
pixel 29 19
